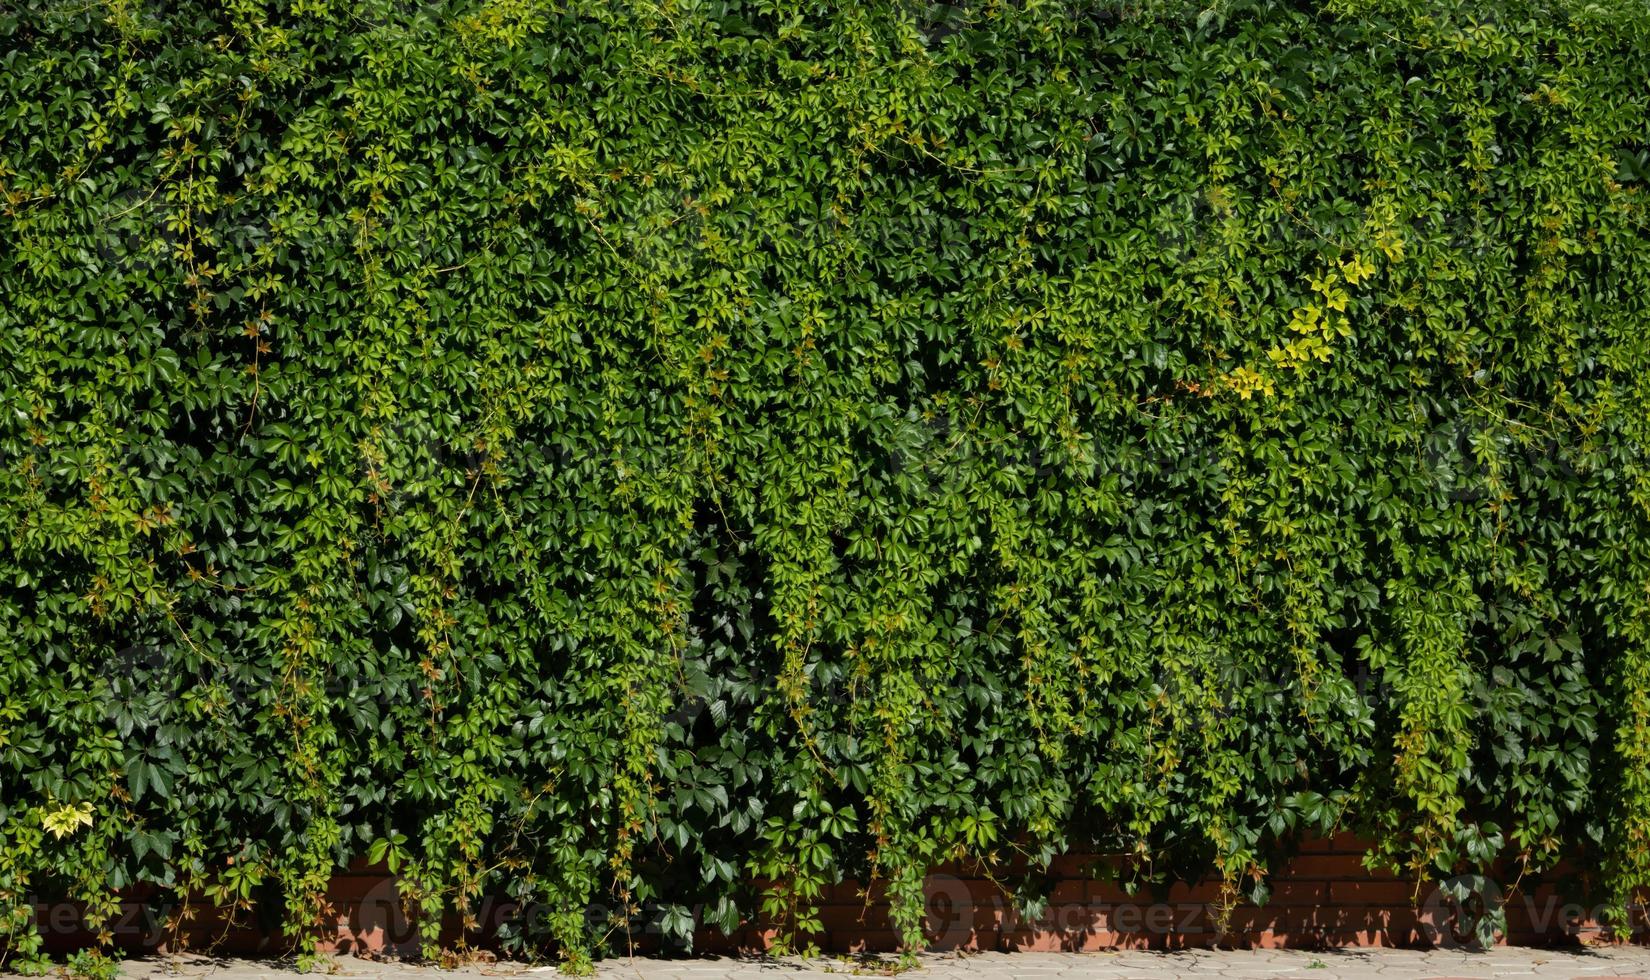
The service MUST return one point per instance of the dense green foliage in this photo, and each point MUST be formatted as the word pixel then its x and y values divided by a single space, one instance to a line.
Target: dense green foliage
pixel 676 455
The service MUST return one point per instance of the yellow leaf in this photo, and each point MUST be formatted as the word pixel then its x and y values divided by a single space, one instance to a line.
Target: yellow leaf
pixel 67 819
pixel 1357 269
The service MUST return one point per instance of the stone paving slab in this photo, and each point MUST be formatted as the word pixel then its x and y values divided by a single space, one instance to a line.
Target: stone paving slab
pixel 1595 963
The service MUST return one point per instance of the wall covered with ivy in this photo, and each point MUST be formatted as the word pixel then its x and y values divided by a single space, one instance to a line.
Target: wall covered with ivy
pixel 673 455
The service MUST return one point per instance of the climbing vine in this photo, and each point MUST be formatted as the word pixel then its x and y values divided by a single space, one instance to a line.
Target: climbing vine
pixel 654 461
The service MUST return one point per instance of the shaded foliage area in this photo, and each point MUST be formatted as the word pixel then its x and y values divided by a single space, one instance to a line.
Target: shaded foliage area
pixel 668 457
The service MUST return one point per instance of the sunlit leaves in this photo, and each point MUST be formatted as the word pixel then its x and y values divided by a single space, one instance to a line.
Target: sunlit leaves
pixel 641 460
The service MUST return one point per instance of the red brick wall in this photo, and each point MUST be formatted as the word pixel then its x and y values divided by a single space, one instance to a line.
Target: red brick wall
pixel 1324 897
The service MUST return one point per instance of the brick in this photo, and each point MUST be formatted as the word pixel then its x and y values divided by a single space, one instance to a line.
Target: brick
pixel 1376 893
pixel 1194 892
pixel 1267 919
pixel 1329 867
pixel 847 918
pixel 865 941
pixel 1072 866
pixel 1365 919
pixel 1074 918
pixel 1322 898
pixel 355 887
pixel 1288 894
pixel 979 890
pixel 1353 938
pixel 1344 842
pixel 1034 941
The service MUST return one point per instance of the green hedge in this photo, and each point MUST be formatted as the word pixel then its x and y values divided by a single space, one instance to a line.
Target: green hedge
pixel 672 456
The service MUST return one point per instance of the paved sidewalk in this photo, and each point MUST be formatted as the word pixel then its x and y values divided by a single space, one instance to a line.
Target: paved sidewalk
pixel 1599 963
